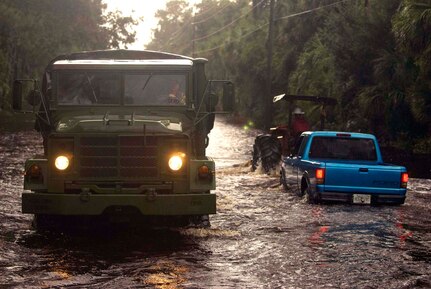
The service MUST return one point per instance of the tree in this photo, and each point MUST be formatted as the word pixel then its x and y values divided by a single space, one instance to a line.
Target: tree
pixel 34 32
pixel 412 29
pixel 373 56
pixel 174 31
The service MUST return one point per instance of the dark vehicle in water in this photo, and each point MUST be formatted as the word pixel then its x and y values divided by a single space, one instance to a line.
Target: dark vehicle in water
pixel 124 131
pixel 343 166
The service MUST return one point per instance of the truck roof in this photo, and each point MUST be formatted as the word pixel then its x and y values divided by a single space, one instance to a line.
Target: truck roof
pixel 124 54
pixel 339 133
pixel 117 56
pixel 119 63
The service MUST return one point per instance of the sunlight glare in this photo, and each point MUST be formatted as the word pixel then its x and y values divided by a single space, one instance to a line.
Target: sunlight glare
pixel 141 9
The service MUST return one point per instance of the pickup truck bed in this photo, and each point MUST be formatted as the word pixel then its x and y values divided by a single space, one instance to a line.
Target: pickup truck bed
pixel 343 166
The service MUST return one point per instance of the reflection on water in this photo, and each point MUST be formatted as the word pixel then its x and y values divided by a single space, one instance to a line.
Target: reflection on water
pixel 209 232
pixel 317 237
pixel 132 257
pixel 262 237
pixel 230 145
pixel 166 275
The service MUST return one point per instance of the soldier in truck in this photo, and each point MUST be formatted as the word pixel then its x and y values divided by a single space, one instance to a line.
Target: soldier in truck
pixel 176 95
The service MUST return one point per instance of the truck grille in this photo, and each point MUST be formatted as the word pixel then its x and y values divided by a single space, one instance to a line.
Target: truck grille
pixel 124 157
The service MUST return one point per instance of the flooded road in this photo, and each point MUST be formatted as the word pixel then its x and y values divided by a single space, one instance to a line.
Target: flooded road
pixel 261 237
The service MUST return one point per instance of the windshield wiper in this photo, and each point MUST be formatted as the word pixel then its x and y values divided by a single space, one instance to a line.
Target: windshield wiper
pixel 92 88
pixel 146 83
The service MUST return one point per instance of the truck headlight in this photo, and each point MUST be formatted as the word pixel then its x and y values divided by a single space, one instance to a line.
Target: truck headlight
pixel 62 162
pixel 176 161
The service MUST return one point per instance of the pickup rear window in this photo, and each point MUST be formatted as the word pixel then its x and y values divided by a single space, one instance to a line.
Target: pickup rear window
pixel 361 149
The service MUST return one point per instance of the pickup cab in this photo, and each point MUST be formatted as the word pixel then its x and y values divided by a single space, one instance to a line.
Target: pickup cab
pixel 342 166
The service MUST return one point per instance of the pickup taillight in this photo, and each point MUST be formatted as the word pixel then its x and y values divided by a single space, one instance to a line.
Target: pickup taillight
pixel 404 180
pixel 320 176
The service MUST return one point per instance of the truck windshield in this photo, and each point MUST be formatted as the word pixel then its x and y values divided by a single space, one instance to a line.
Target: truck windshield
pixel 361 149
pixel 114 88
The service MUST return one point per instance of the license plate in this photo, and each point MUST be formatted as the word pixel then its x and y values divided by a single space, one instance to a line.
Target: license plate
pixel 361 199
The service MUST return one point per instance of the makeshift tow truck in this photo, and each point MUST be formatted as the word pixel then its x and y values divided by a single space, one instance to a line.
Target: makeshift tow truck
pixel 269 148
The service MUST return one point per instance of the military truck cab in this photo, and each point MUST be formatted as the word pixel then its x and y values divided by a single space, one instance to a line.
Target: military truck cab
pixel 123 130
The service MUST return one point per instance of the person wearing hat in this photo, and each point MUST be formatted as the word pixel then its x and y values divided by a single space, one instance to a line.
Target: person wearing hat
pixel 299 123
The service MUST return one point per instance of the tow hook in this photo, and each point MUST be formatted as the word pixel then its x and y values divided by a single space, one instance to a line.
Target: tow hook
pixel 151 194
pixel 85 195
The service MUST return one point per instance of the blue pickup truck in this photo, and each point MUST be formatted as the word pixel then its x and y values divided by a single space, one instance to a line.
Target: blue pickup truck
pixel 342 166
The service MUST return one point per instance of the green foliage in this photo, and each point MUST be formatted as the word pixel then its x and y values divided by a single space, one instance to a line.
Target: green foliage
pixel 174 31
pixel 373 56
pixel 412 29
pixel 34 32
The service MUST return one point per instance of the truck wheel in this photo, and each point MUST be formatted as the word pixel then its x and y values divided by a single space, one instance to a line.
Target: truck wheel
pixel 256 156
pixel 44 222
pixel 201 221
pixel 267 148
pixel 205 221
pixel 399 203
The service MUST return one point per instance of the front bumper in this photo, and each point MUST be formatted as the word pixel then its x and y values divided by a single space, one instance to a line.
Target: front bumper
pixel 375 198
pixel 97 204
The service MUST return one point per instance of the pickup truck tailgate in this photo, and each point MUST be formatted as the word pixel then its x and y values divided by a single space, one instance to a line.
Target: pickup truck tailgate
pixel 378 179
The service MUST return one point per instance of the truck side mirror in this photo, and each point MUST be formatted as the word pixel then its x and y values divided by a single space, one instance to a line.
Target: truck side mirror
pixel 228 100
pixel 211 102
pixel 25 95
pixel 33 97
pixel 17 95
pixel 219 97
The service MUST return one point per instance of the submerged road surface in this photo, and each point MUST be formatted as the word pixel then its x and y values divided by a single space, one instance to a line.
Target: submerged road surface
pixel 262 237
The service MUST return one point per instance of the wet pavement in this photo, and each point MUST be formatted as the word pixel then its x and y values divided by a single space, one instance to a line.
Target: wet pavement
pixel 261 237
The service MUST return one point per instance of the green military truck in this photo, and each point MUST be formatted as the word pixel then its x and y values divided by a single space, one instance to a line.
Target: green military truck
pixel 124 133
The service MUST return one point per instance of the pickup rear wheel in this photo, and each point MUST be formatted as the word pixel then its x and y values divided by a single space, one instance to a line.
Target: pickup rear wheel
pixel 304 187
pixel 313 197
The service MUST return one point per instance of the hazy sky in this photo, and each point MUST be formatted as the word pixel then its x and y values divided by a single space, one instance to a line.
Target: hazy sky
pixel 140 8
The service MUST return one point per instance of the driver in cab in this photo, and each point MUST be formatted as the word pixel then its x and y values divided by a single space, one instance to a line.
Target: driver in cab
pixel 176 95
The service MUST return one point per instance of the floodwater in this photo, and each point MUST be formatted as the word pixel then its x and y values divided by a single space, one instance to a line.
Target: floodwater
pixel 261 237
